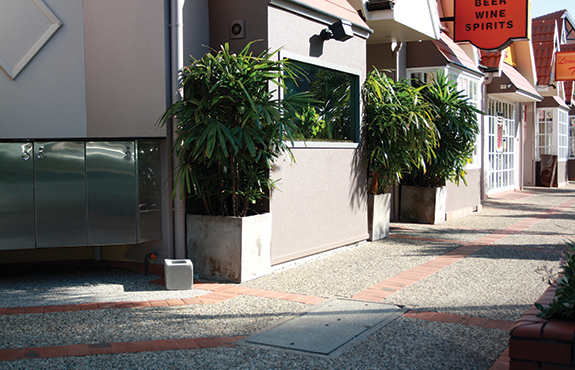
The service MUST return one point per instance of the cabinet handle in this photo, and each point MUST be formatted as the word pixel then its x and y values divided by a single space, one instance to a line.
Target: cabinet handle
pixel 41 153
pixel 26 149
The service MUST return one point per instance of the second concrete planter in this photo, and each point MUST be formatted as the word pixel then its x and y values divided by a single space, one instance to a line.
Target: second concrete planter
pixel 422 205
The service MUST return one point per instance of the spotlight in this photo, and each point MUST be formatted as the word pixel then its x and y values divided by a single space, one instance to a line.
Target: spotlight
pixel 340 30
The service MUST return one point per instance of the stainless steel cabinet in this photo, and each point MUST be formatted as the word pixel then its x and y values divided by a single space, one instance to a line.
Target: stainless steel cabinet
pixel 74 193
pixel 60 189
pixel 111 187
pixel 17 229
pixel 149 191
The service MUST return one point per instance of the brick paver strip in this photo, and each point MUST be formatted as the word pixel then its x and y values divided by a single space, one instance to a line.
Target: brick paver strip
pixel 117 347
pixel 460 319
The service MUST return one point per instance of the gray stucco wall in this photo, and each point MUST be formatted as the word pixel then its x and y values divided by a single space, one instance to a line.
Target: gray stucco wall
pixel 126 67
pixel 254 12
pixel 322 201
pixel 47 99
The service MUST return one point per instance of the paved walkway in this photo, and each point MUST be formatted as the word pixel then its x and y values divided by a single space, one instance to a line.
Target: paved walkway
pixel 465 283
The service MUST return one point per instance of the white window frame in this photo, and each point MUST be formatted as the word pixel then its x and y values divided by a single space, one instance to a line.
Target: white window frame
pixel 552 132
pixel 502 162
pixel 563 133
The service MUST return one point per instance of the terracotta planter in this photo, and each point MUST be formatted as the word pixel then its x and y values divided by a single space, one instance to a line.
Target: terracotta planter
pixel 378 213
pixel 229 249
pixel 422 205
pixel 537 343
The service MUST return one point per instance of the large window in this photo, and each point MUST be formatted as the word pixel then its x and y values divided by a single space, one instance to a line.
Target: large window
pixel 335 115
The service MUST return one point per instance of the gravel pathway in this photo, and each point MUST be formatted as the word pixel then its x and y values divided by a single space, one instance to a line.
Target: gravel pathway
pixel 238 316
pixel 86 286
pixel 343 274
pixel 404 344
pixel 495 283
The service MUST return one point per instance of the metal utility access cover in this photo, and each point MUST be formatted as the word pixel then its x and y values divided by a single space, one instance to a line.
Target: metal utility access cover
pixel 328 327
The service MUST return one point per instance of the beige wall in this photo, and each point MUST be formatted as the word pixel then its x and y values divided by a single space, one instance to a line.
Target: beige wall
pixel 126 67
pixel 379 56
pixel 529 159
pixel 320 203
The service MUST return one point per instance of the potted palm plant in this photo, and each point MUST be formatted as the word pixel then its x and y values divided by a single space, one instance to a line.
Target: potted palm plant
pixel 423 192
pixel 230 128
pixel 398 137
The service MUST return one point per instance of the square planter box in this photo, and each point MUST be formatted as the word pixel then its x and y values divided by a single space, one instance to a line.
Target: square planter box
pixel 230 249
pixel 422 205
pixel 378 213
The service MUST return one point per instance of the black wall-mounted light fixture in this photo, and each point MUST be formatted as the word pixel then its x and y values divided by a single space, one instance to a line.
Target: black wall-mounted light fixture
pixel 340 30
pixel 372 5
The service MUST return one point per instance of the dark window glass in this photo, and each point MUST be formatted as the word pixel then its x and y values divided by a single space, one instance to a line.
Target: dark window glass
pixel 334 116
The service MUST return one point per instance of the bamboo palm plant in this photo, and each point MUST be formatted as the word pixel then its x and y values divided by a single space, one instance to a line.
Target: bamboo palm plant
pixel 231 127
pixel 399 134
pixel 456 120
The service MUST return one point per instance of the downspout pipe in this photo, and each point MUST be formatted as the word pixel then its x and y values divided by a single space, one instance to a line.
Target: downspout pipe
pixel 177 63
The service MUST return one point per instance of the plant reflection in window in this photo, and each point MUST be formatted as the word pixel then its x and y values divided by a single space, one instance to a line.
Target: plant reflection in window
pixel 330 118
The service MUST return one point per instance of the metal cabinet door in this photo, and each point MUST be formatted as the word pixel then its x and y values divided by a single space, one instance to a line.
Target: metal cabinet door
pixel 149 191
pixel 60 181
pixel 111 187
pixel 17 229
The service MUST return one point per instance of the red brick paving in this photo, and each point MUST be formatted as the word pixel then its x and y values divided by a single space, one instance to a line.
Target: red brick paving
pixel 460 319
pixel 117 347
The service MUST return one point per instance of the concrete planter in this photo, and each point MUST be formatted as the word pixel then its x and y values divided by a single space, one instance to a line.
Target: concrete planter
pixel 422 205
pixel 378 213
pixel 537 343
pixel 230 249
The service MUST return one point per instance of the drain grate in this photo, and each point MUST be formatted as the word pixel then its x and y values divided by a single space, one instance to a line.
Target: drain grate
pixel 328 328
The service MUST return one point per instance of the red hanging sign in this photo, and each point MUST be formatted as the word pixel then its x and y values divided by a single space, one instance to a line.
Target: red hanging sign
pixel 491 24
pixel 565 66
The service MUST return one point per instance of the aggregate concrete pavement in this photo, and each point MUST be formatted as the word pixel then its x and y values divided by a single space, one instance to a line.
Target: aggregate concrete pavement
pixel 461 284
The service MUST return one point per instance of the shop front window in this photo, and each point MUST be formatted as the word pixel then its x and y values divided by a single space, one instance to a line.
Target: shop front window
pixel 335 115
